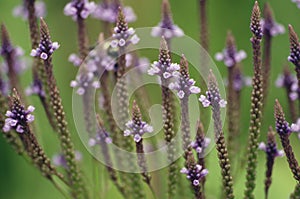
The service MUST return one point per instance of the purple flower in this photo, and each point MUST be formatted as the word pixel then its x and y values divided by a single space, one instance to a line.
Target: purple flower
pixel 21 10
pixel 137 129
pixel 282 126
pixel 200 144
pixel 297 2
pixel 294 91
pixel 290 83
pixel 60 160
pixel 84 81
pixel 20 62
pixel 185 86
pixel 166 27
pixel 206 100
pixel 79 8
pixel 123 37
pixel 194 174
pixel 271 149
pixel 75 59
pixel 295 127
pixel 35 88
pixel 165 70
pixel 294 56
pixel 99 59
pixel 231 56
pixel 108 12
pixel 99 138
pixel 17 118
pixel 272 28
pixel 45 48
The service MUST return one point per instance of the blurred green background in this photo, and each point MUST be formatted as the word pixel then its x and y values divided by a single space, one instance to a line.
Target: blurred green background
pixel 18 179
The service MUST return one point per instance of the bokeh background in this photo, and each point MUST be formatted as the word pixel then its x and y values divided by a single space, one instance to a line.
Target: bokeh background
pixel 18 179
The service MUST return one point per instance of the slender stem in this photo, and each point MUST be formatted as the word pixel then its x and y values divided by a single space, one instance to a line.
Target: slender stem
pixel 204 41
pixel 266 65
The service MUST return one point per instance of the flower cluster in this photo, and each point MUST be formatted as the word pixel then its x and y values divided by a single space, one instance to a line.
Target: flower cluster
pixel 184 84
pixel 100 59
pixel 122 37
pixel 83 81
pixel 17 118
pixel 289 82
pixel 20 63
pixel 200 144
pixel 240 81
pixel 207 100
pixel 79 9
pixel 294 56
pixel 194 174
pixel 272 27
pixel 282 126
pixel 46 46
pixel 75 59
pixel 137 129
pixel 60 160
pixel 108 12
pixel 231 56
pixel 164 69
pixel 21 10
pixel 99 138
pixel 185 87
pixel 142 63
pixel 295 127
pixel 166 27
pixel 271 149
pixel 35 88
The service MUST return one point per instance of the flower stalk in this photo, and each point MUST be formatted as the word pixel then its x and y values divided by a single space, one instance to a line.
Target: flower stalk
pixel 256 103
pixel 44 51
pixel 215 101
pixel 284 131
pixel 271 152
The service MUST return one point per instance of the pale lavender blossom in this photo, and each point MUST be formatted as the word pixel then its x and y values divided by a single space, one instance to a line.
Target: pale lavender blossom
pixel 239 81
pixel 164 70
pixel 166 27
pixel 295 127
pixel 108 12
pixel 60 160
pixel 297 2
pixel 271 149
pixel 123 38
pixel 294 91
pixel 75 59
pixel 18 118
pixel 84 81
pixel 137 129
pixel 231 56
pixel 99 138
pixel 200 144
pixel 184 86
pixel 206 100
pixel 45 49
pixel 194 174
pixel 290 83
pixel 273 28
pixel 20 63
pixel 79 9
pixel 21 10
pixel 98 59
pixel 35 89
